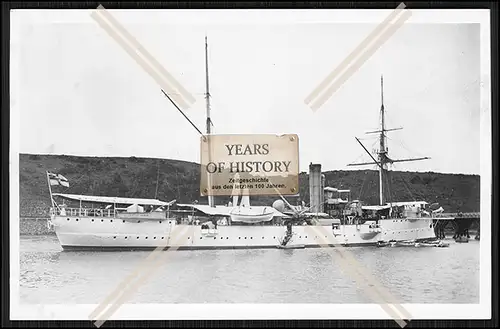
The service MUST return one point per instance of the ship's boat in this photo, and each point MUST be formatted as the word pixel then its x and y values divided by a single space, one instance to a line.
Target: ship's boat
pixel 432 244
pixel 251 215
pixel 293 246
pixel 407 243
pixel 384 243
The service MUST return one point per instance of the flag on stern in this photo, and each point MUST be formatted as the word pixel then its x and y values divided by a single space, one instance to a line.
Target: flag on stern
pixel 58 179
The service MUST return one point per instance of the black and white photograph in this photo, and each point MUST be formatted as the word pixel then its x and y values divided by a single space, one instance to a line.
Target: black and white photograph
pixel 250 164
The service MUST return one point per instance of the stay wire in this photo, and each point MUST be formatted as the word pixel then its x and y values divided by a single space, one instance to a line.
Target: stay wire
pixel 185 116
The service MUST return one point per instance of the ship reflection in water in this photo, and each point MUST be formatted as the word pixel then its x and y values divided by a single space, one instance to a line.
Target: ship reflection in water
pixel 414 275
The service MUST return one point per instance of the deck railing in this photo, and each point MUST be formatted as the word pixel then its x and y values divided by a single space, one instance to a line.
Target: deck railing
pixel 83 212
pixel 461 215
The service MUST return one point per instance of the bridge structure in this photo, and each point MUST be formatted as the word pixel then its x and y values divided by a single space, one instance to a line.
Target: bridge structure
pixel 459 222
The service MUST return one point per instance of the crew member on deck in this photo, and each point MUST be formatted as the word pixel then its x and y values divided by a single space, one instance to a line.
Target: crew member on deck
pixel 63 210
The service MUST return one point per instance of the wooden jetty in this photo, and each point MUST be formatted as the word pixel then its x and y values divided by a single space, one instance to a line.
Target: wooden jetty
pixel 460 222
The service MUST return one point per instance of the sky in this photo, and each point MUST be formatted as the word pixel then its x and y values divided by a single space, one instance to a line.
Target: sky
pixel 77 92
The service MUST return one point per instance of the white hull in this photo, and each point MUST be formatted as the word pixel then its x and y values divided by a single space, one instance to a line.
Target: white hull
pixel 119 233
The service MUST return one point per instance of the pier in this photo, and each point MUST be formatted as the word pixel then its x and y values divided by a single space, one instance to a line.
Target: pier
pixel 460 222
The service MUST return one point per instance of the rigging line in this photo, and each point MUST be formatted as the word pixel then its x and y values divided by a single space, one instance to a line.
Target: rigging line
pixel 157 176
pixel 396 140
pixel 362 186
pixel 388 186
pixel 363 154
pixel 403 146
pixel 407 187
pixel 178 94
pixel 185 116
pixel 359 156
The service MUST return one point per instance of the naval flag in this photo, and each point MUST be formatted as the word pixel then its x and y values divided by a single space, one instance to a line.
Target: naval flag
pixel 58 179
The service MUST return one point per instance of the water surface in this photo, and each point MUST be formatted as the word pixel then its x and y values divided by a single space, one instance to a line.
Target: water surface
pixel 413 275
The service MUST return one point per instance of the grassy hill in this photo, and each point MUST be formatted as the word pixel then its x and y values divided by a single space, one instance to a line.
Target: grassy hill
pixel 137 177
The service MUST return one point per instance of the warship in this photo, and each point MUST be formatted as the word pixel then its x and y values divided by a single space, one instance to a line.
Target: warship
pixel 332 217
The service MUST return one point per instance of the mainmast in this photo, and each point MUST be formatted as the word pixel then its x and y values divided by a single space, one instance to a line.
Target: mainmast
pixel 211 202
pixel 383 158
pixel 382 151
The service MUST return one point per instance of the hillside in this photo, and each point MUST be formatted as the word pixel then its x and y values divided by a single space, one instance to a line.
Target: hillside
pixel 137 177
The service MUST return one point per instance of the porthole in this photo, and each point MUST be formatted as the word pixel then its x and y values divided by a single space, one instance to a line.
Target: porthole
pixel 215 237
pixel 262 237
pixel 245 238
pixel 239 237
pixel 77 219
pixel 160 222
pixel 102 220
pixel 146 238
pixel 125 237
pixel 123 221
pixel 114 237
pixel 306 236
pixel 201 237
pixel 138 221
pixel 221 238
pixel 164 237
pixel 68 218
pixel 92 219
pixel 111 220
pixel 251 238
pixel 170 222
pixel 188 237
pixel 154 238
pixel 227 237
pixel 137 237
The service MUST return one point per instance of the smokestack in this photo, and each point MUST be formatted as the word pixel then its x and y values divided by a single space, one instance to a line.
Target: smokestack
pixel 316 183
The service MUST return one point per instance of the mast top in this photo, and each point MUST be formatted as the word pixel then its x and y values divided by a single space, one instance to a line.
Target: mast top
pixel 382 90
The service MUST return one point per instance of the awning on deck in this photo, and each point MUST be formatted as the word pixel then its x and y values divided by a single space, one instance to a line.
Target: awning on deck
pixel 113 200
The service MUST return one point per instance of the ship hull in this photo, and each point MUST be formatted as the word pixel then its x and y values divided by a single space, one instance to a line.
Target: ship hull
pixel 104 233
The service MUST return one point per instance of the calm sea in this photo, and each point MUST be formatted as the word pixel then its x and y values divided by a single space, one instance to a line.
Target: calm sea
pixel 414 275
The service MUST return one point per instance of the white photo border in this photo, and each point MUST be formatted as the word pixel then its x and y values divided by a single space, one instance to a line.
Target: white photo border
pixel 482 310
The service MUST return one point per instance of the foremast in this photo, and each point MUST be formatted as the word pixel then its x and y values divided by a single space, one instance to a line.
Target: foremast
pixel 211 201
pixel 209 122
